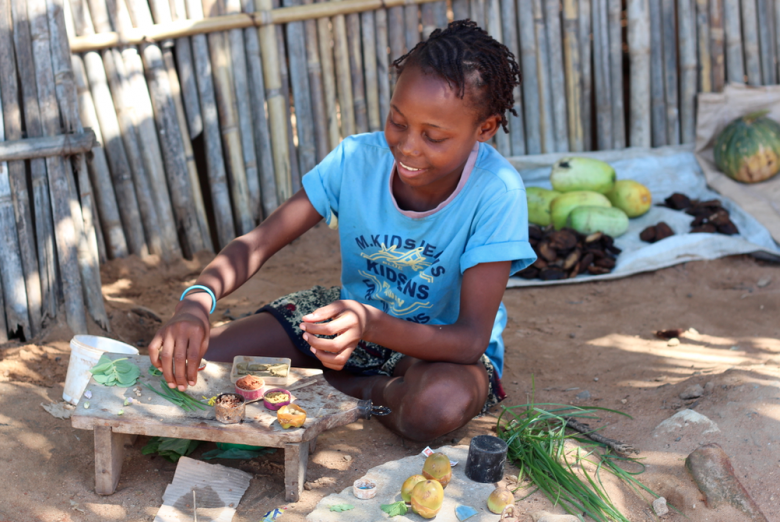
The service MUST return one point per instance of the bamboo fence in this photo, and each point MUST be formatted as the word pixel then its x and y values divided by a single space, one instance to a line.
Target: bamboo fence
pixel 176 125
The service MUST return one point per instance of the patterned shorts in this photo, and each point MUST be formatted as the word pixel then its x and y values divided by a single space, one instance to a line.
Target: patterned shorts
pixel 368 358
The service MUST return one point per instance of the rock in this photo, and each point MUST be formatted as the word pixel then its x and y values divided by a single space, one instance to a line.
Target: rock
pixel 583 395
pixel 685 418
pixel 709 387
pixel 659 506
pixel 674 341
pixel 712 471
pixel 692 392
pixel 544 516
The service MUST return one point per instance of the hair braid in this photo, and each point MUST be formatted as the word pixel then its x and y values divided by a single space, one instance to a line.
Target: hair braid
pixel 463 53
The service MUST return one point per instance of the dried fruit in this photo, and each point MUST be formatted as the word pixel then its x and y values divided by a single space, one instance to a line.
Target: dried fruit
pixel 408 486
pixel 499 499
pixel 437 467
pixel 427 497
pixel 678 201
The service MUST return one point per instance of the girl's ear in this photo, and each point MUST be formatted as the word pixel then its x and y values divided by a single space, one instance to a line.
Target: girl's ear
pixel 488 128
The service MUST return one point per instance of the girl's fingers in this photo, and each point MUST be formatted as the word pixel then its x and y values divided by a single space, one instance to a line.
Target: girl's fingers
pixel 180 362
pixel 154 351
pixel 324 313
pixel 334 361
pixel 338 325
pixel 166 354
pixel 193 360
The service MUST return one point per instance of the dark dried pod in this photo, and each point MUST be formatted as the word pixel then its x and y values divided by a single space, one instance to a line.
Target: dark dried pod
pixel 607 240
pixel 699 220
pixel 662 231
pixel 547 252
pixel 539 263
pixel 593 237
pixel 585 262
pixel 535 232
pixel 605 262
pixel 572 259
pixel 708 228
pixel 712 203
pixel 678 201
pixel 529 273
pixel 552 274
pixel 648 234
pixel 719 218
pixel 565 239
pixel 598 270
pixel 596 252
pixel 728 228
pixel 533 242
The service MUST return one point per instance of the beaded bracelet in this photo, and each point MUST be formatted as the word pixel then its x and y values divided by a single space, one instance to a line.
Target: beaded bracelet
pixel 205 289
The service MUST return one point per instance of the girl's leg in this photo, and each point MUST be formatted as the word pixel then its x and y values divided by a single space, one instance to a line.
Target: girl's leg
pixel 256 335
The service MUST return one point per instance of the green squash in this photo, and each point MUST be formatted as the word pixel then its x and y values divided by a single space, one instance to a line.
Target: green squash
pixel 748 149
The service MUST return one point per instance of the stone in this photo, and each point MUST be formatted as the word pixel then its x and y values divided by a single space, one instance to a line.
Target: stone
pixel 692 392
pixel 544 516
pixel 712 471
pixel 684 418
pixel 674 341
pixel 659 506
pixel 583 395
pixel 709 387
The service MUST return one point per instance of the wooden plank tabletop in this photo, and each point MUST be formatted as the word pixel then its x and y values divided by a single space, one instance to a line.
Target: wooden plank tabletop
pixel 153 415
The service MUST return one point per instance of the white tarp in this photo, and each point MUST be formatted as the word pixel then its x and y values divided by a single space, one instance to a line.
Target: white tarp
pixel 664 171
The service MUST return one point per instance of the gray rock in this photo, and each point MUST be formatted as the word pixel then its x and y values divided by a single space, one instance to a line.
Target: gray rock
pixel 709 387
pixel 712 471
pixel 692 392
pixel 659 506
pixel 583 395
pixel 683 419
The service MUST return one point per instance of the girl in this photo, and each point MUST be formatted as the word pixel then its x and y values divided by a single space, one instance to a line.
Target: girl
pixel 432 221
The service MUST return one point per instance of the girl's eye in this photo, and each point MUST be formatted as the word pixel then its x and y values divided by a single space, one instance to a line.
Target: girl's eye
pixel 398 125
pixel 433 140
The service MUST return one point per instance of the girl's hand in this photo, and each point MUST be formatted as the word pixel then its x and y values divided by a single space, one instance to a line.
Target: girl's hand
pixel 178 346
pixel 349 320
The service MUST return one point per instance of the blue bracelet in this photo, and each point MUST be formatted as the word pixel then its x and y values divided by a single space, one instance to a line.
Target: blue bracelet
pixel 205 289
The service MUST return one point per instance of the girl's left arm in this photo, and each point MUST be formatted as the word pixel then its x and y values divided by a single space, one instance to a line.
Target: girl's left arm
pixel 462 342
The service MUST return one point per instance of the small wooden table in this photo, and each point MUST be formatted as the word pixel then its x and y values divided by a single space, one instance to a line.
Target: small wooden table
pixel 152 415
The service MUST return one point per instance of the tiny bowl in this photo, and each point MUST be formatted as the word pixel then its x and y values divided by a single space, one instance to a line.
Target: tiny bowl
pixel 364 489
pixel 251 395
pixel 230 414
pixel 287 419
pixel 276 405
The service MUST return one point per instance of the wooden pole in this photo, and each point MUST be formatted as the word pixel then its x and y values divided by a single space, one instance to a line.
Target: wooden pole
pixel 215 163
pixel 703 39
pixel 573 67
pixel 717 49
pixel 776 17
pixel 382 65
pixel 766 36
pixel 460 9
pixel 244 114
pixel 585 31
pixel 259 116
pixel 356 68
pixel 735 66
pixel 546 121
pixel 668 13
pixel 427 14
pixel 494 29
pixel 529 66
pixel 61 145
pixel 557 80
pixel 343 75
pixel 3 325
pixel 61 199
pixel 750 42
pixel 314 67
pixel 602 75
pixel 275 101
pixel 295 172
pixel 186 69
pixel 509 32
pixel 301 91
pixel 477 12
pixel 368 32
pixel 615 30
pixel 18 184
pixel 328 80
pixel 412 24
pixel 639 51
pixel 657 79
pixel 687 50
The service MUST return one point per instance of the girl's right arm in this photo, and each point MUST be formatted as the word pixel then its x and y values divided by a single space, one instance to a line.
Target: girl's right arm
pixel 178 346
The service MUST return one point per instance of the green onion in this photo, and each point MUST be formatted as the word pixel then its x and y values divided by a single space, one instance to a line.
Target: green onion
pixel 180 399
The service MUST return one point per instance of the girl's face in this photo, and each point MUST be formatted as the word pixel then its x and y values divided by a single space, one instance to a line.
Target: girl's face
pixel 431 132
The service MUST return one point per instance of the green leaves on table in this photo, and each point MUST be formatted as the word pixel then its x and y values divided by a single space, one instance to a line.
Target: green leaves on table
pixel 169 448
pixel 180 399
pixel 338 508
pixel 395 509
pixel 119 372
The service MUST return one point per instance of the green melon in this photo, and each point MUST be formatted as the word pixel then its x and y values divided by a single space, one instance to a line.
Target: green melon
pixel 748 149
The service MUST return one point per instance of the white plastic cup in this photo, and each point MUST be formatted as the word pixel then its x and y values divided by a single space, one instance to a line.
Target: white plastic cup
pixel 85 351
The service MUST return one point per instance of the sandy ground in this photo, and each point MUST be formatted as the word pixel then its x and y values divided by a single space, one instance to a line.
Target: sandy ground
pixel 595 337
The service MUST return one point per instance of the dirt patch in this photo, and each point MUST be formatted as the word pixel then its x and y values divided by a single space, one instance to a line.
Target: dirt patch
pixel 596 338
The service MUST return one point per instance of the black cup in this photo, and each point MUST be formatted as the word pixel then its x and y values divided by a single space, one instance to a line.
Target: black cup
pixel 485 463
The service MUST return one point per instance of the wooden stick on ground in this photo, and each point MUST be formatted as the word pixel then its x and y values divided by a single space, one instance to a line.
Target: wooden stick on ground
pixel 717 48
pixel 703 45
pixel 509 32
pixel 602 82
pixel 314 67
pixel 529 66
pixel 766 37
pixel 670 73
pixel 732 22
pixel 620 447
pixel 586 54
pixel 750 42
pixel 687 50
pixel 639 50
pixel 616 73
pixel 546 121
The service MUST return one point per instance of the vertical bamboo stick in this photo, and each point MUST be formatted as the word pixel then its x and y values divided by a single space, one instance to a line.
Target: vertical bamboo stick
pixel 65 233
pixel 529 66
pixel 13 295
pixel 546 121
pixel 687 49
pixel 328 80
pixel 235 37
pixel 571 49
pixel 356 68
pixel 732 22
pixel 368 31
pixel 703 45
pixel 639 51
pixel 477 12
pixel 494 29
pixel 603 84
pixel 189 86
pixel 668 13
pixel 509 32
pixel 750 42
pixel 343 75
pixel 412 25
pixel 766 36
pixel 395 31
pixel 382 65
pixel 776 18
pixel 657 78
pixel 717 46
pixel 276 111
pixel 295 171
pixel 314 67
pixel 440 13
pixel 552 13
pixel 259 116
pixel 427 20
pixel 87 249
pixel 17 177
pixel 301 91
pixel 460 9
pixel 585 29
pixel 616 73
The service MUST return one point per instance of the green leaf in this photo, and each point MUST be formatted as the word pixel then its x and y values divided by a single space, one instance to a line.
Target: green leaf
pixel 338 508
pixel 395 509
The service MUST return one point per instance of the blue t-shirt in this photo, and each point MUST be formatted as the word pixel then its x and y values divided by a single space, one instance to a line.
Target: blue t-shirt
pixel 412 267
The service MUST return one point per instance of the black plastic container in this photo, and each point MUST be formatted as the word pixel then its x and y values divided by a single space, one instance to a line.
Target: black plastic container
pixel 485 463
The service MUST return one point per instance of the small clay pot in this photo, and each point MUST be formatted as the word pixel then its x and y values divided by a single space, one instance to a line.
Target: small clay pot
pixel 364 489
pixel 276 405
pixel 230 413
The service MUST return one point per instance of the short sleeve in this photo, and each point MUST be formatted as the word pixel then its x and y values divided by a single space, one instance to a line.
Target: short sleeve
pixel 323 183
pixel 500 233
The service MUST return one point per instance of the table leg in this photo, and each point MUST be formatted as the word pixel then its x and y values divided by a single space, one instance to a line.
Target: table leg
pixel 296 459
pixel 109 454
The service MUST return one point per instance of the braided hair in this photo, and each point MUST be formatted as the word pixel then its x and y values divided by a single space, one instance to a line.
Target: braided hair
pixel 463 53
